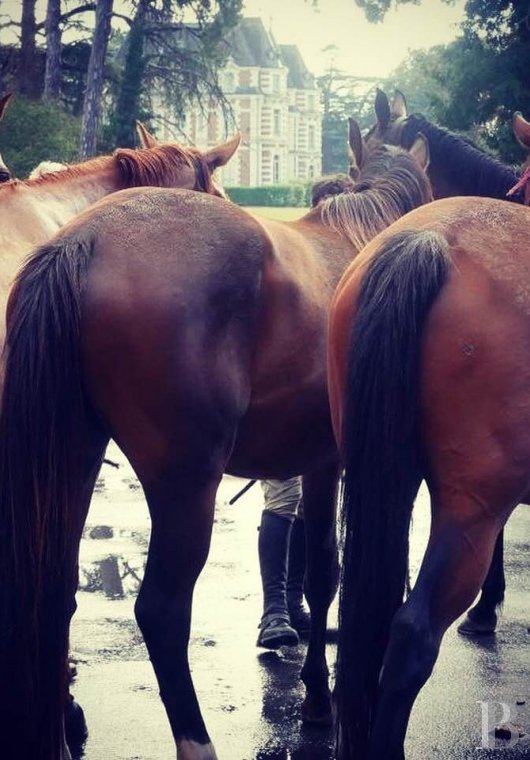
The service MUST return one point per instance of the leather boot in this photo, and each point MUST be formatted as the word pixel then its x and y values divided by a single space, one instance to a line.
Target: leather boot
pixel 273 548
pixel 298 614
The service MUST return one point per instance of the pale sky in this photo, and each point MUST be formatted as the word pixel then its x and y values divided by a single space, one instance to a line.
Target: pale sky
pixel 365 49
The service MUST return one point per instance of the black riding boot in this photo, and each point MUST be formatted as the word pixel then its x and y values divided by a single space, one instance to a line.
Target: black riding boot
pixel 273 547
pixel 299 616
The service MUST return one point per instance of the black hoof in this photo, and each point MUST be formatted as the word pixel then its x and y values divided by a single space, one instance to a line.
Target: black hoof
pixel 474 625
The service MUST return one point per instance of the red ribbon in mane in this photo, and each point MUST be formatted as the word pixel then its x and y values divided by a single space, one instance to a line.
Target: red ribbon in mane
pixel 523 184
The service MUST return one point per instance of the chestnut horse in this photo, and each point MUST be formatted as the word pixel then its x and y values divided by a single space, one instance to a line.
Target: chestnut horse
pixel 456 167
pixel 35 209
pixel 5 174
pixel 195 336
pixel 429 375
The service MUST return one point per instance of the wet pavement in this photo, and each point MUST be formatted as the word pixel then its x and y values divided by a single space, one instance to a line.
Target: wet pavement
pixel 250 698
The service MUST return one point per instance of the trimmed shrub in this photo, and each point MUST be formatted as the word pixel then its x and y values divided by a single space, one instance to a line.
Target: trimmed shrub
pixel 297 194
pixel 35 131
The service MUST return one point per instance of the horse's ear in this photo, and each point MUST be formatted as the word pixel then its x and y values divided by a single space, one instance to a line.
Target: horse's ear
pixel 399 105
pixel 221 154
pixel 521 129
pixel 382 109
pixel 4 102
pixel 146 138
pixel 420 151
pixel 355 140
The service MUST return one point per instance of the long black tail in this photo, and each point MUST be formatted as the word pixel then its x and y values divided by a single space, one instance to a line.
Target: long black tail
pixel 383 465
pixel 42 423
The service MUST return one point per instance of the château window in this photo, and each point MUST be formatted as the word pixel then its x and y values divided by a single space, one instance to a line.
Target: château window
pixel 277 121
pixel 276 169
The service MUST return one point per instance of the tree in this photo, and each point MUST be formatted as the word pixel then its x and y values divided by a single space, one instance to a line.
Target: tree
pixel 342 96
pixel 92 104
pixel 170 59
pixel 52 75
pixel 27 73
pixel 128 100
pixel 475 83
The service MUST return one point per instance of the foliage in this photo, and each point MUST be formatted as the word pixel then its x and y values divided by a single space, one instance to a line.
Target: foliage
pixel 474 84
pixel 376 10
pixel 296 194
pixel 172 55
pixel 34 131
pixel 342 96
pixel 168 59
pixel 467 87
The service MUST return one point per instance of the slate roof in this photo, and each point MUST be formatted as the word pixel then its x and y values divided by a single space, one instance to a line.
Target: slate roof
pixel 252 45
pixel 299 75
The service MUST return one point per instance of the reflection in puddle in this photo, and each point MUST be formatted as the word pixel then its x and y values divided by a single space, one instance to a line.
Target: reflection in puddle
pixel 282 694
pixel 114 575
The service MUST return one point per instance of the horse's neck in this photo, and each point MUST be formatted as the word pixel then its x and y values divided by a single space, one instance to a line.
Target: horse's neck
pixel 334 252
pixel 33 212
pixel 59 200
pixel 459 168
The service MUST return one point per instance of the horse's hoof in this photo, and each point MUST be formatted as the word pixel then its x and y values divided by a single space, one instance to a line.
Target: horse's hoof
pixel 317 712
pixel 473 626
pixel 75 727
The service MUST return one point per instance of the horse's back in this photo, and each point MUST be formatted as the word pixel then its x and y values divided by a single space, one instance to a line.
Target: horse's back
pixel 475 365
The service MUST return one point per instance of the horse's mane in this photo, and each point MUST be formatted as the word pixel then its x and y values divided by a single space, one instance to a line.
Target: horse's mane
pixel 157 166
pixel 391 185
pixel 477 172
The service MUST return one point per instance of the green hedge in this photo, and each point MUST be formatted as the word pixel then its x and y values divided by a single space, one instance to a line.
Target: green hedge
pixel 271 195
pixel 35 131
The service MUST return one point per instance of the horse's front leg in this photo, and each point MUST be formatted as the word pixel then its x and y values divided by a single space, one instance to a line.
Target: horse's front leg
pixel 319 494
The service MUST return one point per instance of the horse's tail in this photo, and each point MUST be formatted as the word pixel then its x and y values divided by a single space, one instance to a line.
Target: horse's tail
pixel 42 422
pixel 383 465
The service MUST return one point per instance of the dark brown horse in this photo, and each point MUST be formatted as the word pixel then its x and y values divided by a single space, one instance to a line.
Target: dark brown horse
pixel 195 336
pixel 457 167
pixel 429 373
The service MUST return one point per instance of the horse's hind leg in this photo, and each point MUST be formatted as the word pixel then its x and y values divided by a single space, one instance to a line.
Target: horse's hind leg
pixel 482 618
pixel 182 509
pixel 180 488
pixel 319 494
pixel 455 564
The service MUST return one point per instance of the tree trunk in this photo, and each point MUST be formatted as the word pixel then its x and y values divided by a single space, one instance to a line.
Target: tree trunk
pixel 92 104
pixel 128 101
pixel 27 77
pixel 52 75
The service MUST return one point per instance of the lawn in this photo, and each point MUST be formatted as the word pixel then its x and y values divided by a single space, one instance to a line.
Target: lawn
pixel 285 214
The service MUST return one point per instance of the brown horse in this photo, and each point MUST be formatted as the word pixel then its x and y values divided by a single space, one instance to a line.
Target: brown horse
pixel 429 373
pixel 457 167
pixel 33 210
pixel 195 336
pixel 5 174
